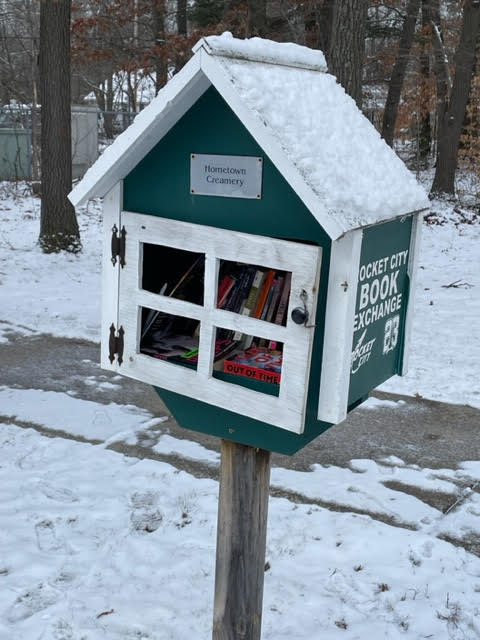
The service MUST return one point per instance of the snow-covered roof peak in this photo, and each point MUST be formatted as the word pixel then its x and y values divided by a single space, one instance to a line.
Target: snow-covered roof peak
pixel 301 118
pixel 261 50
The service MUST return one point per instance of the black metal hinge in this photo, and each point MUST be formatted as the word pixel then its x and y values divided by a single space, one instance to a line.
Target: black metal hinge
pixel 115 344
pixel 118 245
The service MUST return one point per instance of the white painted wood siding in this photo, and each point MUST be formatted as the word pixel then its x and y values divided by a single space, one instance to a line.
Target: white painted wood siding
pixel 112 204
pixel 339 320
pixel 415 243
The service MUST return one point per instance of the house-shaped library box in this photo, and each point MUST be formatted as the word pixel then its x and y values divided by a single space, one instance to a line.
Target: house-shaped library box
pixel 260 241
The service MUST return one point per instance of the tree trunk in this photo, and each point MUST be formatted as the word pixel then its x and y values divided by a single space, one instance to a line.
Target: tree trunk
pixel 231 5
pixel 182 17
pixel 398 72
pixel 257 18
pixel 325 21
pixel 452 112
pixel 181 57
pixel 159 36
pixel 347 45
pixel 58 224
pixel 424 126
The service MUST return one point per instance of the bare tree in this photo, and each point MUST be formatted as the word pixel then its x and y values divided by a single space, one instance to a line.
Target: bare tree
pixel 347 45
pixel 58 224
pixel 453 101
pixel 257 18
pixel 325 21
pixel 158 27
pixel 424 124
pixel 398 72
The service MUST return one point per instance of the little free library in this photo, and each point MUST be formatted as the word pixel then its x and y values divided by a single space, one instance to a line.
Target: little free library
pixel 260 244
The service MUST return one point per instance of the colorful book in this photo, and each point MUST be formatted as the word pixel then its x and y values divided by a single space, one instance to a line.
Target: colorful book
pixel 224 289
pixel 277 290
pixel 253 373
pixel 256 363
pixel 172 346
pixel 284 299
pixel 262 298
pixel 245 282
pixel 251 301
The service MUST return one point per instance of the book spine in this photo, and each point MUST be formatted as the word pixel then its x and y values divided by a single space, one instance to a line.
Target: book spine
pixel 245 286
pixel 244 292
pixel 224 289
pixel 235 298
pixel 251 301
pixel 264 293
pixel 268 302
pixel 278 284
pixel 253 373
pixel 284 298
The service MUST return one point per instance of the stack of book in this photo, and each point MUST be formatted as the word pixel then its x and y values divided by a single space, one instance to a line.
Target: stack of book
pixel 254 291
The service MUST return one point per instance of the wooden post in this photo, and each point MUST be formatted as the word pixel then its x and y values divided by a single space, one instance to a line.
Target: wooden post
pixel 241 540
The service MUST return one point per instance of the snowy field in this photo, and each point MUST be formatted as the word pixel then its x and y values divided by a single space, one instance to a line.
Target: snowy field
pixel 97 545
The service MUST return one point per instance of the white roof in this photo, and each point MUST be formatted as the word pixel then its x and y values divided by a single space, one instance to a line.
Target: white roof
pixel 315 135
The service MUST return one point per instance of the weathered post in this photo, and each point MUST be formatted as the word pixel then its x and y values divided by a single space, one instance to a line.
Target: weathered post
pixel 241 540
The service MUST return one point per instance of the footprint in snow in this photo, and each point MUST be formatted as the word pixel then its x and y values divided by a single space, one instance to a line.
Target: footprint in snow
pixel 60 630
pixel 145 515
pixel 31 602
pixel 57 493
pixel 46 536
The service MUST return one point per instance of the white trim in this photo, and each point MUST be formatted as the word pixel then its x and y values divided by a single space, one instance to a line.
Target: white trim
pixel 339 321
pixel 112 205
pixel 148 128
pixel 415 243
pixel 288 409
pixel 276 53
pixel 172 102
pixel 219 79
pixel 161 115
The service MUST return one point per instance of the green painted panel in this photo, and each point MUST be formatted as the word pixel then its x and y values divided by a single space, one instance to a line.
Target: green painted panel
pixel 159 185
pixel 382 299
pixel 231 426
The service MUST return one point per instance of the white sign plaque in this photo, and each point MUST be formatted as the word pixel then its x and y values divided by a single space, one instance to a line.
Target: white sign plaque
pixel 226 176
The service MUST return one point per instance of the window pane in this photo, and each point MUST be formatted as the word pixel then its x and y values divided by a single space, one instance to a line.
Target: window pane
pixel 241 359
pixel 253 290
pixel 173 272
pixel 168 337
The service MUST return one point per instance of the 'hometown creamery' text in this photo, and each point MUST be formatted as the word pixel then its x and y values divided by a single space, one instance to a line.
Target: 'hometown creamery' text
pixel 227 175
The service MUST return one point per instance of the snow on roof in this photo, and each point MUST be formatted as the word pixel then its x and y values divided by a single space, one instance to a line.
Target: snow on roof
pixel 260 50
pixel 331 155
pixel 339 153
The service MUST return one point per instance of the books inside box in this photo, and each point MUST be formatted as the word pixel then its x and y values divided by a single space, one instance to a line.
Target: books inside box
pixel 251 290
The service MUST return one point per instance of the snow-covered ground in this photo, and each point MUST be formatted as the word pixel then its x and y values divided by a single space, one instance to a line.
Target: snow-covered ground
pixel 94 544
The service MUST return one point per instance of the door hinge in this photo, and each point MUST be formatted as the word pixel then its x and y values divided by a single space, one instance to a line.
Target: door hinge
pixel 115 344
pixel 118 246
